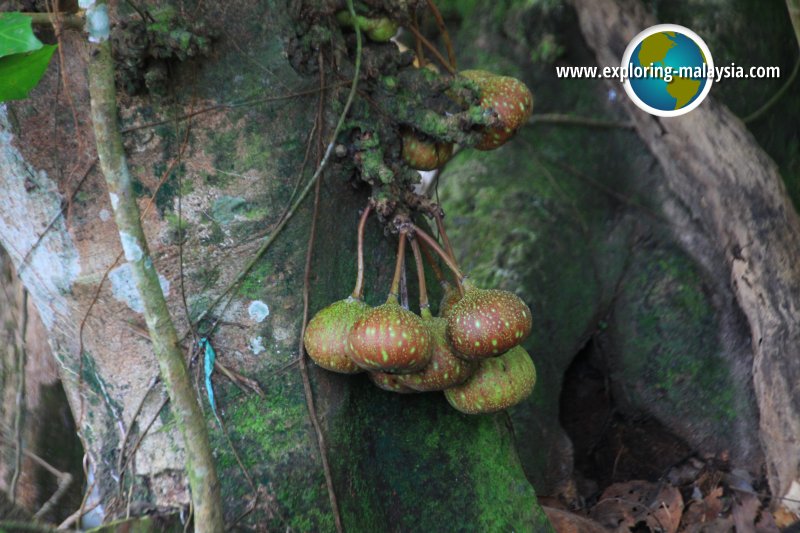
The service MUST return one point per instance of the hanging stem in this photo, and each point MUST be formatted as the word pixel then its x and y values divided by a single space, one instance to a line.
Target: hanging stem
pixel 394 290
pixel 447 246
pixel 423 291
pixel 200 467
pixel 432 50
pixel 448 44
pixel 437 271
pixel 358 291
pixel 420 54
pixel 451 264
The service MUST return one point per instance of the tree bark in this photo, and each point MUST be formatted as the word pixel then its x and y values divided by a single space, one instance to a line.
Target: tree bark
pixel 393 459
pixel 200 468
pixel 734 200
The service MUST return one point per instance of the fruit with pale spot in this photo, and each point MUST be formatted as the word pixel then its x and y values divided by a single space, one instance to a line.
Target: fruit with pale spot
pixel 389 382
pixel 389 338
pixel 509 98
pixel 422 153
pixel 445 369
pixel 326 335
pixel 497 384
pixel 487 323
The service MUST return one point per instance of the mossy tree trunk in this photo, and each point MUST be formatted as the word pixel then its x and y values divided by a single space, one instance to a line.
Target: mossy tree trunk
pixel 736 218
pixel 589 227
pixel 221 181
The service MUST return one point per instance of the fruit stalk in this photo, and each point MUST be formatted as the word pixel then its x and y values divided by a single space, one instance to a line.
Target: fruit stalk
pixel 394 290
pixel 437 271
pixel 423 291
pixel 432 49
pixel 358 291
pixel 451 264
pixel 447 246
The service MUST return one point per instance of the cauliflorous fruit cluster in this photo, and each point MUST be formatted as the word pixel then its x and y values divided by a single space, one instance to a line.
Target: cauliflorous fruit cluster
pixel 471 352
pixel 508 98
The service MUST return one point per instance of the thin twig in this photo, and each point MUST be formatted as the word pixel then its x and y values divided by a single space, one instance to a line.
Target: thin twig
pixel 577 214
pixel 603 187
pixel 22 328
pixel 439 57
pixel 82 509
pixel 64 481
pixel 57 217
pixel 448 44
pixel 223 106
pixel 244 383
pixel 417 41
pixel 120 458
pixel 56 19
pixel 302 172
pixel 309 393
pixel 142 435
pixel 761 111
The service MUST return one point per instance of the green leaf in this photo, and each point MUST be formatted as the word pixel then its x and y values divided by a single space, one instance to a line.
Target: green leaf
pixel 20 73
pixel 16 34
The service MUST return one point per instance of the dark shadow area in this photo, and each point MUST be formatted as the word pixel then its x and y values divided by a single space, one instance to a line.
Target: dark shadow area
pixel 611 446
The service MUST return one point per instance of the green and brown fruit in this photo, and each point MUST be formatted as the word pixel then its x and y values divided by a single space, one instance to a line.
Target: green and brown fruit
pixel 424 154
pixel 497 384
pixel 389 338
pixel 487 323
pixel 389 382
pixel 450 297
pixel 509 98
pixel 445 370
pixel 326 335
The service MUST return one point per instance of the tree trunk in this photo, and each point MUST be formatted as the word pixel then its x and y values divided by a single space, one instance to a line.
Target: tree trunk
pixel 735 217
pixel 398 462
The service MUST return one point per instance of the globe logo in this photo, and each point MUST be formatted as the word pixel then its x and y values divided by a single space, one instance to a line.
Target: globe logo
pixel 668 69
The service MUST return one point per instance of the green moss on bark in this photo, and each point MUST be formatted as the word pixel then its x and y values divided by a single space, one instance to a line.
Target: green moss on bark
pixel 398 454
pixel 665 330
